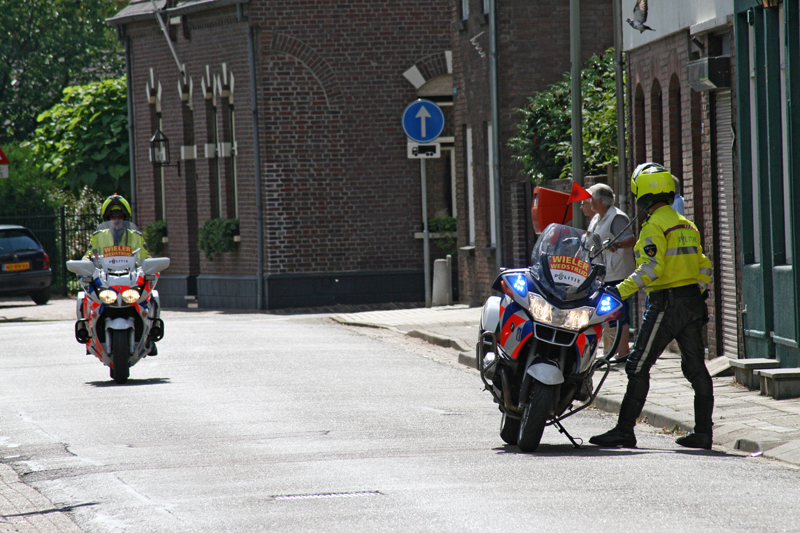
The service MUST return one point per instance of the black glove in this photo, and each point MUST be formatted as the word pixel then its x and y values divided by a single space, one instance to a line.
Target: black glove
pixel 613 291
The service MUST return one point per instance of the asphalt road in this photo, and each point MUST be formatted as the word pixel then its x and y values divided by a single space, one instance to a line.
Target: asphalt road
pixel 255 422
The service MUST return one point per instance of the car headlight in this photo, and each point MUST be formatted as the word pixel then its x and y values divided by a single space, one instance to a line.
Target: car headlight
pixel 108 297
pixel 130 296
pixel 542 311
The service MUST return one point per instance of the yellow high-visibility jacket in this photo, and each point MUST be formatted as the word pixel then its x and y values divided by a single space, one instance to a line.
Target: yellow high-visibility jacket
pixel 668 254
pixel 103 243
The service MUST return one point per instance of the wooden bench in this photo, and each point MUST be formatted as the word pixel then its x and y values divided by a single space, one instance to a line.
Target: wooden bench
pixel 780 383
pixel 744 369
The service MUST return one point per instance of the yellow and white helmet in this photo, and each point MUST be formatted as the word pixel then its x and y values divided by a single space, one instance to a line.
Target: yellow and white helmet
pixel 651 183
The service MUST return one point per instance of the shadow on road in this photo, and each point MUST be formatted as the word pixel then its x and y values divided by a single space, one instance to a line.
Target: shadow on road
pixel 567 450
pixel 130 383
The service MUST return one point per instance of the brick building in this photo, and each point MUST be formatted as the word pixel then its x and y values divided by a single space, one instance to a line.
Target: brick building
pixel 314 168
pixel 683 117
pixel 533 51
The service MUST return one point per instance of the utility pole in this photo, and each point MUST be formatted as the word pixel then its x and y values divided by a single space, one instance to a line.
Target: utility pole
pixel 577 106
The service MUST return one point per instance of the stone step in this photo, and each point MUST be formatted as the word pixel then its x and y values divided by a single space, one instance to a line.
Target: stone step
pixel 779 383
pixel 744 370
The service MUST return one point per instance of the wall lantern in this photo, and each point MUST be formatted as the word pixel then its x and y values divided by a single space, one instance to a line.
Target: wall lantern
pixel 159 151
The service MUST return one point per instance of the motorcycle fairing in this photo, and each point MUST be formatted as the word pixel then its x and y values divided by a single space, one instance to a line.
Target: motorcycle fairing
pixel 516 328
pixel 586 345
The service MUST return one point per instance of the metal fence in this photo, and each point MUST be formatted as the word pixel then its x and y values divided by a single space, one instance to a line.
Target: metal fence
pixel 63 237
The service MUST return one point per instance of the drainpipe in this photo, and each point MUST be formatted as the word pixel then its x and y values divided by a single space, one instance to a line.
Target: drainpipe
pixel 495 140
pixel 622 171
pixel 577 101
pixel 131 129
pixel 251 38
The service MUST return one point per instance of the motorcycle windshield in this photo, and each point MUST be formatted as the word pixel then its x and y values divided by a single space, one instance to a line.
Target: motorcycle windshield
pixel 115 244
pixel 568 263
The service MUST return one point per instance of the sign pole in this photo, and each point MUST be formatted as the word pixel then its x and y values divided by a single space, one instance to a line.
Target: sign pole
pixel 426 245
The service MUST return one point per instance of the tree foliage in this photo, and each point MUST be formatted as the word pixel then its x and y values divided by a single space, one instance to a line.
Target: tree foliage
pixel 83 140
pixel 543 143
pixel 29 192
pixel 26 190
pixel 45 46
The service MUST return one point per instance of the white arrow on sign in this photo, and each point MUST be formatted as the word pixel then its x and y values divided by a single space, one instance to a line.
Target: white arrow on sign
pixel 422 114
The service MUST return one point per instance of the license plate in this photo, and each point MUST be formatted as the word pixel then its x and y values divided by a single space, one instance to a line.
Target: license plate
pixel 14 267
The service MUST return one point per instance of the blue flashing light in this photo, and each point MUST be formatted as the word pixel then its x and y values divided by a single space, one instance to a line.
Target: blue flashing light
pixel 607 304
pixel 521 285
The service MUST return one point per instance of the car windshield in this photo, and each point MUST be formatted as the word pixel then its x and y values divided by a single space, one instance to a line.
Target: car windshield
pixel 17 240
pixel 565 262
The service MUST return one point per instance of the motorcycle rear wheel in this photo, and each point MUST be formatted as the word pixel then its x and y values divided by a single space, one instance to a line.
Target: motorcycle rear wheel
pixel 535 415
pixel 509 429
pixel 120 355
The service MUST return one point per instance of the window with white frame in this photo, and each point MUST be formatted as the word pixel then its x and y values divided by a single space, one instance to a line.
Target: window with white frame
pixel 464 9
pixel 486 6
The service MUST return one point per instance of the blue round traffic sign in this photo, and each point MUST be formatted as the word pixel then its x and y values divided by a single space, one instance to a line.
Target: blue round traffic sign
pixel 423 121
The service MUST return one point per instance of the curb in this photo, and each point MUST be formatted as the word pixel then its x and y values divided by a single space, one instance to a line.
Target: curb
pixel 439 340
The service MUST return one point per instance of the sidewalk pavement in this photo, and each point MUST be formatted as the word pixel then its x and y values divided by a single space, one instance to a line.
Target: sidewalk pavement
pixel 743 419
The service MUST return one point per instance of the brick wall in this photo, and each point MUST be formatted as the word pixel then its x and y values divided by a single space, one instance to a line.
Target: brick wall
pixel 533 52
pixel 339 193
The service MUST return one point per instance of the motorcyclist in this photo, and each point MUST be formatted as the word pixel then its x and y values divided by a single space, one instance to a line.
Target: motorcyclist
pixel 120 237
pixel 673 270
pixel 117 210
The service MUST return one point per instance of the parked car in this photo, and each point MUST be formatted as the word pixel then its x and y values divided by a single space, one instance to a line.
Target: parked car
pixel 24 265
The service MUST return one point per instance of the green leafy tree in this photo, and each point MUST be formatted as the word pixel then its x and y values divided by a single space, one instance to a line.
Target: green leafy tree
pixel 26 190
pixel 543 143
pixel 83 140
pixel 46 46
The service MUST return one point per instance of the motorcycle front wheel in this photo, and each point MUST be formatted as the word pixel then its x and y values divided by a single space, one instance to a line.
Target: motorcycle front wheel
pixel 120 355
pixel 535 415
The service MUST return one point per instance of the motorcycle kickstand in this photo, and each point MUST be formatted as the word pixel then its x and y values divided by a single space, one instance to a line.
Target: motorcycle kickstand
pixel 562 429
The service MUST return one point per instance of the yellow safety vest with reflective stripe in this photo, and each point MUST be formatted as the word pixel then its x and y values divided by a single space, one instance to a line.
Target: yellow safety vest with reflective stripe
pixel 668 254
pixel 104 243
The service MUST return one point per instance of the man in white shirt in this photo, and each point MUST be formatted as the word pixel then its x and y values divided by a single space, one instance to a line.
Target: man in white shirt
pixel 620 263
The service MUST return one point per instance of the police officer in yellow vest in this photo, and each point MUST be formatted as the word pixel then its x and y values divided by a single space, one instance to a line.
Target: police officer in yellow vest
pixel 673 270
pixel 117 210
pixel 116 239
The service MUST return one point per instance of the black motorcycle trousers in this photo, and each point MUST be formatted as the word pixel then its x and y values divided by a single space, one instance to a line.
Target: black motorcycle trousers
pixel 678 314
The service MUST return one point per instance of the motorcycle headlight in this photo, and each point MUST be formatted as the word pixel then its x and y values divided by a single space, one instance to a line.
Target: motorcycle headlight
pixel 108 297
pixel 130 296
pixel 543 312
pixel 539 308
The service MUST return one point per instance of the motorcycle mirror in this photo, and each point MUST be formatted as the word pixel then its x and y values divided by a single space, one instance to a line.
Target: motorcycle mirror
pixel 155 264
pixel 82 267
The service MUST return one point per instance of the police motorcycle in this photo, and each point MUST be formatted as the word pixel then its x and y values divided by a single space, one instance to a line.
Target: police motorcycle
pixel 537 351
pixel 118 308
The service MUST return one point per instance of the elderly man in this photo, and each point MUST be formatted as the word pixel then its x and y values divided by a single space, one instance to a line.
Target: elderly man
pixel 607 224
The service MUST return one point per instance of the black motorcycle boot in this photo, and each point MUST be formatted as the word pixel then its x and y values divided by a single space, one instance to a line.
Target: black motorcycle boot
pixel 622 434
pixel 702 437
